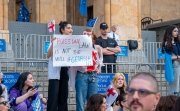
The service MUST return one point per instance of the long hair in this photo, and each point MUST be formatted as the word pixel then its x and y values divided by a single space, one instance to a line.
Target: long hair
pixel 166 103
pixel 95 102
pixel 177 105
pixel 62 26
pixel 123 88
pixel 21 81
pixel 122 98
pixel 167 40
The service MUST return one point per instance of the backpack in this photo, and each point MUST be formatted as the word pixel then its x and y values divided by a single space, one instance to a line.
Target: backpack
pixel 132 44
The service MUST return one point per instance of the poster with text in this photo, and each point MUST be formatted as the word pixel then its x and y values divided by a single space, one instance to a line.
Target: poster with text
pixel 72 50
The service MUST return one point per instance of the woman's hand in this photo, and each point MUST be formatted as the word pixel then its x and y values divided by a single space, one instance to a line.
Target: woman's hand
pixel 52 39
pixel 43 99
pixel 31 91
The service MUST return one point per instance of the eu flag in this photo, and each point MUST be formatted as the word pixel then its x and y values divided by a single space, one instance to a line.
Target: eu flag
pixel 23 13
pixel 91 22
pixel 83 7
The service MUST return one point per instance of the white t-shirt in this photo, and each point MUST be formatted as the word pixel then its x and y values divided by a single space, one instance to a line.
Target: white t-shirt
pixel 53 72
pixel 110 35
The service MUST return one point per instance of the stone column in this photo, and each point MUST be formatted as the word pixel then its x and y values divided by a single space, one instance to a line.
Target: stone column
pixel 107 12
pixel 4 19
pixel 126 14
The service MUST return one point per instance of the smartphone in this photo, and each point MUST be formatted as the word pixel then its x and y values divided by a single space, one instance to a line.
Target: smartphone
pixel 36 87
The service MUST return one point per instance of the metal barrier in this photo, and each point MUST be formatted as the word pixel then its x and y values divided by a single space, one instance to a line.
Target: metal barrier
pixel 31 47
pixel 39 70
pixel 35 47
pixel 29 55
pixel 133 68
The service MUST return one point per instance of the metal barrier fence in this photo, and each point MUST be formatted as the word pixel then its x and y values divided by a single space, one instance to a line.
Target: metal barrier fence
pixel 28 51
pixel 39 70
pixel 31 47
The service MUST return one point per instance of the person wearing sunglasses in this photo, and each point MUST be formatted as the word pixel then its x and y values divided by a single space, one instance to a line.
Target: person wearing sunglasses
pixel 142 92
pixel 4 106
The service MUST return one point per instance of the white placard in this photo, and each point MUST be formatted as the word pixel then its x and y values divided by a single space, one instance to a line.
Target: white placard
pixel 72 50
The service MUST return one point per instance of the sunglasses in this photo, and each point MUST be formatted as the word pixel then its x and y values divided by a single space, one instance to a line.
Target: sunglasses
pixel 141 92
pixel 4 103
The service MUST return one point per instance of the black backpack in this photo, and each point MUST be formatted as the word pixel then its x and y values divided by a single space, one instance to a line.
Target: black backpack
pixel 133 44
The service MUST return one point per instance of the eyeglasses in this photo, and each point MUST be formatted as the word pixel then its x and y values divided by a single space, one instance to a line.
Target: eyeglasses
pixel 4 103
pixel 141 92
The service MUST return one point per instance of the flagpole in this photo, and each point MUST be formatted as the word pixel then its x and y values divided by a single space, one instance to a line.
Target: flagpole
pixel 94 24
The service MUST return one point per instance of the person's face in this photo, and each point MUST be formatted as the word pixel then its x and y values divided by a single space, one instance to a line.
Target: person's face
pixel 104 105
pixel 124 103
pixel 29 81
pixel 175 32
pixel 142 95
pixel 103 32
pixel 67 30
pixel 119 81
pixel 89 35
pixel 113 29
pixel 4 106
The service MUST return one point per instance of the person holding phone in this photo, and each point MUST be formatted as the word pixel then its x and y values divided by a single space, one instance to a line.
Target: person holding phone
pixel 23 93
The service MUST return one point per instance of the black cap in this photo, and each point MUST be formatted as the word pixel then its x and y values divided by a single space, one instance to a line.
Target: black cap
pixel 103 25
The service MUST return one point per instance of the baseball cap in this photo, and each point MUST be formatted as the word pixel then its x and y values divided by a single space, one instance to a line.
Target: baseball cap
pixel 103 25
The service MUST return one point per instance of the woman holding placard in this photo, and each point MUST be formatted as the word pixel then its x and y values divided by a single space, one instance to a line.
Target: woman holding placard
pixel 58 76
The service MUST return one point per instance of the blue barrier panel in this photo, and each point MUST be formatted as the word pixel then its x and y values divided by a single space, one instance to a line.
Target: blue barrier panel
pixel 2 45
pixel 104 80
pixel 10 78
pixel 46 46
pixel 124 51
pixel 160 54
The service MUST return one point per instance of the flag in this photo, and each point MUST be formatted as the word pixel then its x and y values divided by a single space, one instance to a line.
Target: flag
pixel 169 73
pixel 111 95
pixel 23 13
pixel 91 22
pixel 83 7
pixel 51 26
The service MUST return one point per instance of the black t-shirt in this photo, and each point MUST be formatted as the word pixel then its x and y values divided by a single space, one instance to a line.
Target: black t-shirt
pixel 109 42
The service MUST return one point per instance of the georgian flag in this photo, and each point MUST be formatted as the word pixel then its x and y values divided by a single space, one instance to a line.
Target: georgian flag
pixel 111 95
pixel 51 26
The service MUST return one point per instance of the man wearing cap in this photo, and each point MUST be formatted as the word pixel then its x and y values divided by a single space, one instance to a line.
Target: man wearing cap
pixel 110 47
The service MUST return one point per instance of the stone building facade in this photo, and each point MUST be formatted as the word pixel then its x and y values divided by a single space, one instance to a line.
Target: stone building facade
pixel 127 14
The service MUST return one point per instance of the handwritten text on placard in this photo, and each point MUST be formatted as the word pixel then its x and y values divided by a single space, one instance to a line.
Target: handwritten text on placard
pixel 72 50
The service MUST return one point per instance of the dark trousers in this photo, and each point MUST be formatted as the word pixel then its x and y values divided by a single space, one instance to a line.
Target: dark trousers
pixel 63 89
pixel 53 92
pixel 108 69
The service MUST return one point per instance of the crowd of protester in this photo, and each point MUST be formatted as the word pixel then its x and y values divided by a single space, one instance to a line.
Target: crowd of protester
pixel 141 94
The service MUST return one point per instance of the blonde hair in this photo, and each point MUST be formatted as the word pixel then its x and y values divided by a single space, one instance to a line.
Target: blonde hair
pixel 116 76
